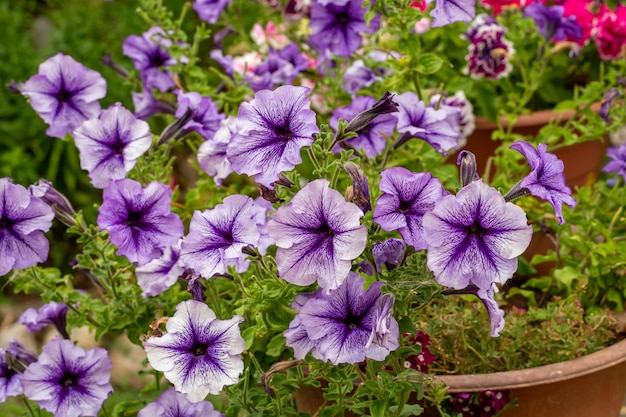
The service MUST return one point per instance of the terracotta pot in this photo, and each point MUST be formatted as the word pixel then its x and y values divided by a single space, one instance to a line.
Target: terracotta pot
pixel 583 161
pixel 591 386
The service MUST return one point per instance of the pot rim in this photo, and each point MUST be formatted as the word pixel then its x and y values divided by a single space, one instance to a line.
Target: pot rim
pixel 540 117
pixel 521 378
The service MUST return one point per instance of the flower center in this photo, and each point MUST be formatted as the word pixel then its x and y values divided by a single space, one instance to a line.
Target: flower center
pixel 68 380
pixel 324 230
pixel 476 229
pixel 6 223
pixel 283 132
pixel 6 372
pixel 63 96
pixel 134 218
pixel 352 321
pixel 198 349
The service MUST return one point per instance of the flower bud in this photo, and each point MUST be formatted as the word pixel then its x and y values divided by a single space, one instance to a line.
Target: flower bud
pixel 61 206
pixel 383 106
pixel 468 171
pixel 359 192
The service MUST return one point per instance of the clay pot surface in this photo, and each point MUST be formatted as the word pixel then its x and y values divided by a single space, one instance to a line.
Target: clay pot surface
pixel 589 386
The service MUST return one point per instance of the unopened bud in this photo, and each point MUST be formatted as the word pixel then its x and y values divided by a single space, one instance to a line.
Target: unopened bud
pixel 468 170
pixel 359 192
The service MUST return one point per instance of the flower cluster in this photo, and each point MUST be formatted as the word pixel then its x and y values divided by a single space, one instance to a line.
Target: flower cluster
pixel 292 206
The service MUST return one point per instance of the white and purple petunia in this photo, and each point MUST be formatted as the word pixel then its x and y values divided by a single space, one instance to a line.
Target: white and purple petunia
pixel 68 380
pixel 174 404
pixel 205 118
pixel 160 273
pixel 217 236
pixel 346 325
pixel 357 76
pixel 23 221
pixel 146 105
pixel 271 130
pixel 199 354
pixel 407 196
pixel 337 26
pixel 149 55
pixel 318 234
pixel 110 145
pixel 418 120
pixel 460 111
pixel 139 220
pixel 64 93
pixel 475 237
pixel 212 156
pixel 546 179
pixel 372 139
pixel 450 11
pixel 210 10
pixel 489 52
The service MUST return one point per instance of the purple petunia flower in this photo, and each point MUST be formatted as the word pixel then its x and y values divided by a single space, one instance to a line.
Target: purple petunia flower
pixel 212 153
pixel 199 354
pixel 67 380
pixel 346 325
pixel 149 55
pixel 161 273
pixel 205 119
pixel 370 139
pixel 23 221
pixel 417 120
pixel 551 22
pixel 210 10
pixel 488 52
pixel 389 253
pixel 487 297
pixel 14 356
pixel 173 404
pixel 111 145
pixel 318 234
pixel 271 130
pixel 51 313
pixel 337 27
pixel 475 237
pixel 617 163
pixel 64 93
pixel 406 197
pixel 139 220
pixel 545 180
pixel 216 237
pixel 357 76
pixel 450 11
pixel 460 112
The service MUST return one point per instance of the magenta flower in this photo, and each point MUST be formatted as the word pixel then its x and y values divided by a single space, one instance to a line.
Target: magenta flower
pixel 23 221
pixel 318 234
pixel 338 27
pixel 346 325
pixel 217 236
pixel 65 94
pixel 475 237
pixel 110 145
pixel 199 354
pixel 407 196
pixel 271 130
pixel 139 220
pixel 67 380
pixel 174 404
pixel 545 180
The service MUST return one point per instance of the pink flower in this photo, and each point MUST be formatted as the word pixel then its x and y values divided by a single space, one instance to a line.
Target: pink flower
pixel 585 17
pixel 499 5
pixel 610 36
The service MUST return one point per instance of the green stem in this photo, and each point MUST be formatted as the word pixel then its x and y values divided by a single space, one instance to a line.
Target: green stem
pixel 30 409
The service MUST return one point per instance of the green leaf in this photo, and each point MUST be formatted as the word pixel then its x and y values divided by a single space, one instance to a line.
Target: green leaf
pixel 429 64
pixel 378 408
pixel 276 346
